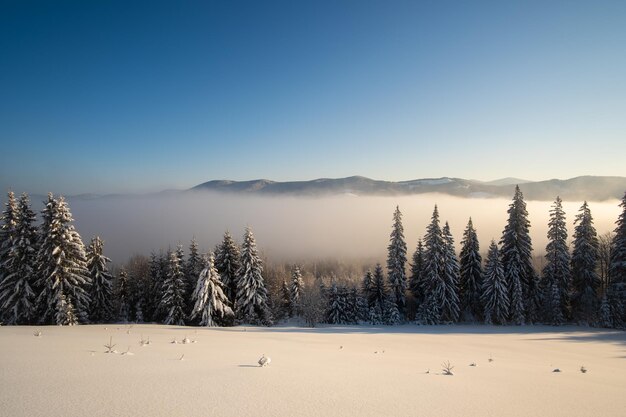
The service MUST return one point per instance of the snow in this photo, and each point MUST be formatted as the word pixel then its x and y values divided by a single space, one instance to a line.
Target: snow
pixel 330 371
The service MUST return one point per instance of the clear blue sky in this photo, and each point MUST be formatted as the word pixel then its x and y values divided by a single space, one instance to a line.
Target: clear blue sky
pixel 123 96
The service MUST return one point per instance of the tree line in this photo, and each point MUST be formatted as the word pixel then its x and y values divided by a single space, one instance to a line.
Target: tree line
pixel 48 276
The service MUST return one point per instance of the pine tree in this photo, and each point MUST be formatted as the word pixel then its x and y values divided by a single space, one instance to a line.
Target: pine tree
pixel 605 313
pixel 287 304
pixel 495 296
pixel 471 275
pixel 516 252
pixel 296 289
pixel 252 298
pixel 228 262
pixel 210 301
pixel 18 263
pixel 451 307
pixel 153 289
pixel 431 310
pixel 62 268
pixel 417 284
pixel 101 307
pixel 585 281
pixel 556 273
pixel 396 261
pixel 617 269
pixel 122 295
pixel 193 267
pixel 173 301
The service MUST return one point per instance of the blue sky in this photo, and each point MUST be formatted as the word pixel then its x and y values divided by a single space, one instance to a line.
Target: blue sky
pixel 119 96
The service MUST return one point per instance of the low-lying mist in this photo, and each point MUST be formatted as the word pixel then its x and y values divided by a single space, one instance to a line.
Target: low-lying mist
pixel 296 228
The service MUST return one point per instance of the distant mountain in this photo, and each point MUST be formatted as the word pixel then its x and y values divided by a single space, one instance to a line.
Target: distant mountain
pixel 574 189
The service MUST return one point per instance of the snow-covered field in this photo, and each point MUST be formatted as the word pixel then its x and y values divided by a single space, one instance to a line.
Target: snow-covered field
pixel 332 371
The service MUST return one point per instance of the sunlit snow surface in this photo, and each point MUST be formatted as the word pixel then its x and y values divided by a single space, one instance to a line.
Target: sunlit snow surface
pixel 330 371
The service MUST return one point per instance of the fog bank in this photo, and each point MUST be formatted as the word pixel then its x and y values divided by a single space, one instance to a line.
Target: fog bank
pixel 292 228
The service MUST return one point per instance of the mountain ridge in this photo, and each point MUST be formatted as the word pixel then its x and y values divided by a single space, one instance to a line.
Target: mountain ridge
pixel 593 188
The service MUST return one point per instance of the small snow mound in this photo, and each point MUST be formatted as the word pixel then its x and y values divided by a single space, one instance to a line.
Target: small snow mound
pixel 264 361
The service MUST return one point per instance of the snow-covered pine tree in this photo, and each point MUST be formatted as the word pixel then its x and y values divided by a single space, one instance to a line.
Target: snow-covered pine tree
pixel 173 301
pixel 296 289
pixel 252 298
pixel 471 275
pixel 585 281
pixel 605 314
pixel 286 302
pixel 556 273
pixel 396 261
pixel 101 307
pixel 376 295
pixel 431 310
pixel 153 289
pixel 416 283
pixel 334 306
pixel 193 267
pixel 228 262
pixel 516 252
pixel 617 269
pixel 494 298
pixel 122 295
pixel 8 237
pixel 210 301
pixel 366 286
pixel 17 296
pixel 61 267
pixel 451 306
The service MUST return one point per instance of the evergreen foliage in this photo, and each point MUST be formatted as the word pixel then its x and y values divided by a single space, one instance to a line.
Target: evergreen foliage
pixel 18 250
pixel 516 252
pixel 417 284
pixel 62 268
pixel 101 307
pixel 210 301
pixel 451 307
pixel 252 297
pixel 174 288
pixel 471 275
pixel 432 308
pixel 585 280
pixel 556 273
pixel 396 261
pixel 122 293
pixel 495 296
pixel 228 263
pixel 296 289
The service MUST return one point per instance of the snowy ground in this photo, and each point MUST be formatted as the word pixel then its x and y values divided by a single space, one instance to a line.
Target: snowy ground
pixel 314 372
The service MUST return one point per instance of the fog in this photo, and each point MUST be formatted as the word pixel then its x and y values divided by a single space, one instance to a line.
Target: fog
pixel 296 228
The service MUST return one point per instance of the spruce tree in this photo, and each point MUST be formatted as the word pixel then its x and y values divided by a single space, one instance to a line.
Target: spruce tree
pixel 516 252
pixel 18 263
pixel 122 295
pixel 210 301
pixel 252 298
pixel 376 295
pixel 556 273
pixel 494 298
pixel 101 307
pixel 451 306
pixel 431 310
pixel 193 267
pixel 471 275
pixel 416 283
pixel 585 281
pixel 228 262
pixel 617 269
pixel 287 304
pixel 396 261
pixel 173 300
pixel 296 290
pixel 62 268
